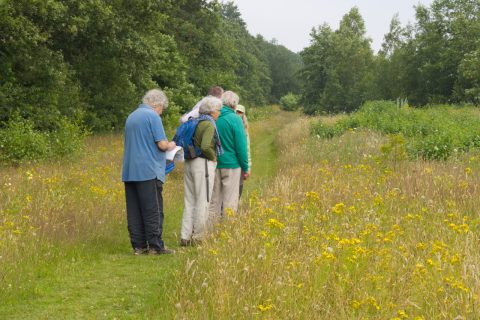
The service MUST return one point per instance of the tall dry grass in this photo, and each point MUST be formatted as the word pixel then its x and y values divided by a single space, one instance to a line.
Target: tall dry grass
pixel 49 211
pixel 47 207
pixel 344 232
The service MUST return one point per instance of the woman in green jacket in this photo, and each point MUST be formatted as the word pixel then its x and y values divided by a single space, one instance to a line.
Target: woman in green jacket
pixel 233 163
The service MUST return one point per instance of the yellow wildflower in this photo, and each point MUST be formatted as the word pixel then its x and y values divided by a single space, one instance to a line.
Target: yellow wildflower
pixel 338 208
pixel 265 307
pixel 274 223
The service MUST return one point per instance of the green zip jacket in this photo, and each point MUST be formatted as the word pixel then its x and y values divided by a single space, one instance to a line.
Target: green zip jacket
pixel 234 141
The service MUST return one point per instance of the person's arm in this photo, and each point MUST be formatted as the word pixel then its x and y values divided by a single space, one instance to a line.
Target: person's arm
pixel 245 123
pixel 164 145
pixel 159 135
pixel 249 151
pixel 241 145
pixel 192 113
pixel 206 143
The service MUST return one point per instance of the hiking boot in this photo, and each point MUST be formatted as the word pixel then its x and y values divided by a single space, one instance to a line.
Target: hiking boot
pixel 185 243
pixel 161 251
pixel 140 251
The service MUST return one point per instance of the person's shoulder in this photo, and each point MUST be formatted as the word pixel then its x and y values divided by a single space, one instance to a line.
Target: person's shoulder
pixel 145 112
pixel 207 126
pixel 228 117
pixel 235 118
pixel 204 124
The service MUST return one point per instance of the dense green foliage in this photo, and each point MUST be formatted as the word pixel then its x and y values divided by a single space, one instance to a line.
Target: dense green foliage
pixel 20 141
pixel 290 102
pixel 93 60
pixel 434 60
pixel 284 68
pixel 88 62
pixel 436 132
pixel 65 62
pixel 338 66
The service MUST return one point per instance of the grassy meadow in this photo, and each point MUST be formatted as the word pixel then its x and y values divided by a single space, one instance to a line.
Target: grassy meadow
pixel 344 232
pixel 340 228
pixel 64 246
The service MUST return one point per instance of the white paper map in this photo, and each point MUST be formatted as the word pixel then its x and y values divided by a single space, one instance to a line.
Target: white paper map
pixel 175 155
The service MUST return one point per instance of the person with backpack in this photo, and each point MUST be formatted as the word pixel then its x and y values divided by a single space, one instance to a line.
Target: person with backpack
pixel 203 147
pixel 143 173
pixel 233 163
pixel 214 91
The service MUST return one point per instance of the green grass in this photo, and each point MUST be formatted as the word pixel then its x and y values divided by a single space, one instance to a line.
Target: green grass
pixel 342 232
pixel 99 277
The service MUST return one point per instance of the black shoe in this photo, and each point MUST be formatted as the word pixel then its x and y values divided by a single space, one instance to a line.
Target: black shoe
pixel 140 251
pixel 161 251
pixel 185 243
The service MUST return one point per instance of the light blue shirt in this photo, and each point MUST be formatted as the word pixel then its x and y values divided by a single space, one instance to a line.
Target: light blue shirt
pixel 142 160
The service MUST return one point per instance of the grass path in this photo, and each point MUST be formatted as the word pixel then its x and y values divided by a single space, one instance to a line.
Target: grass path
pixel 103 280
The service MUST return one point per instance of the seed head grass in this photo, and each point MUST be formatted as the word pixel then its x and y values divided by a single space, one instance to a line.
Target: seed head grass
pixel 343 233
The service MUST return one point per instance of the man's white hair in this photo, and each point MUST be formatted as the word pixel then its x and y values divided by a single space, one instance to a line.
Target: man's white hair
pixel 155 97
pixel 210 104
pixel 230 99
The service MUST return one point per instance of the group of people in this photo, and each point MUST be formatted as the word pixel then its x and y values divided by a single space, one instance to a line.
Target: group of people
pixel 212 181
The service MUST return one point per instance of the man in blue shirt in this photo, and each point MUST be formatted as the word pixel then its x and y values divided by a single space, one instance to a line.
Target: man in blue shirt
pixel 144 173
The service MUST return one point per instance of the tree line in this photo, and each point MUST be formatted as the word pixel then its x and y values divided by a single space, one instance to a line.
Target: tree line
pixel 434 60
pixel 91 60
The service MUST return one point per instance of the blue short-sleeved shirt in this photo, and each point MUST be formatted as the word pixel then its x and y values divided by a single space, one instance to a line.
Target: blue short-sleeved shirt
pixel 142 160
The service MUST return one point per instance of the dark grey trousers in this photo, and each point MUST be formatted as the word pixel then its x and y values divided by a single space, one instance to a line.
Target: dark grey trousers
pixel 145 213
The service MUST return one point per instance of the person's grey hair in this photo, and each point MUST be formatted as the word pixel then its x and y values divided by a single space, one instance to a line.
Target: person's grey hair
pixel 210 104
pixel 230 99
pixel 155 97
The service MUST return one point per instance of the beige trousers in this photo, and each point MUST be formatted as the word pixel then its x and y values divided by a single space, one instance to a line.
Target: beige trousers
pixel 195 212
pixel 225 192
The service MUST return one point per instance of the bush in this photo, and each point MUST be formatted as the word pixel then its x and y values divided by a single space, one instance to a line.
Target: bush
pixel 434 147
pixel 322 130
pixel 433 133
pixel 68 139
pixel 289 102
pixel 19 141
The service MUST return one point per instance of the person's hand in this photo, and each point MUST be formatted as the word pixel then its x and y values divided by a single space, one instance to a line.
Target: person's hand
pixel 171 145
pixel 245 175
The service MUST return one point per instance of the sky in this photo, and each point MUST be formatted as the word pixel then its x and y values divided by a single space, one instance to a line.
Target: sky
pixel 290 22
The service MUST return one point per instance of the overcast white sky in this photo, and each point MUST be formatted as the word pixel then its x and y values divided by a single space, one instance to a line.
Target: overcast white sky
pixel 290 21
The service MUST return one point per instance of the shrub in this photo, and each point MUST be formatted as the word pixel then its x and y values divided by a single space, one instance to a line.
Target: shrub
pixel 434 147
pixel 19 141
pixel 322 130
pixel 394 148
pixel 433 133
pixel 289 102
pixel 68 139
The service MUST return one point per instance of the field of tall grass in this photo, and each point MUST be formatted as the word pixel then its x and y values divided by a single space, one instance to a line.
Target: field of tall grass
pixel 343 228
pixel 344 232
pixel 64 248
pixel 45 208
